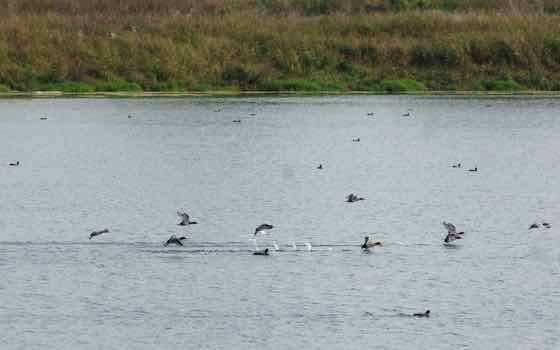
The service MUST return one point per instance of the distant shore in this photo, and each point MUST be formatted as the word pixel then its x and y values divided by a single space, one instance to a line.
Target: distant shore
pixel 220 47
pixel 156 94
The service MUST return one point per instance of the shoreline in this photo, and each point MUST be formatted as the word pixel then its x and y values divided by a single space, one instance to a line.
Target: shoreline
pixel 225 93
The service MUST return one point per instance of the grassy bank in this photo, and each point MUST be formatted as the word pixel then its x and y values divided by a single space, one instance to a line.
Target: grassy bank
pixel 94 46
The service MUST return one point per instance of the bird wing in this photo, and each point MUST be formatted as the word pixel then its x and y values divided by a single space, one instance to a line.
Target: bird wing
pixel 450 227
pixel 183 215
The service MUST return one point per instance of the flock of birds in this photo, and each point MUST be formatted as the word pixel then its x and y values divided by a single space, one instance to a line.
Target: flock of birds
pixel 185 220
pixel 452 234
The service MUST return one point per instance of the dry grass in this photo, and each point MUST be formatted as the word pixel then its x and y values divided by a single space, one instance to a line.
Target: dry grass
pixel 248 44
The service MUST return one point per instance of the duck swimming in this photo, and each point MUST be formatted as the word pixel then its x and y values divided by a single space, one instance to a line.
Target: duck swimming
pixel 97 233
pixel 534 225
pixel 185 219
pixel 261 252
pixel 452 233
pixel 356 140
pixel 15 164
pixel 546 224
pixel 174 240
pixel 474 170
pixel 368 244
pixel 422 314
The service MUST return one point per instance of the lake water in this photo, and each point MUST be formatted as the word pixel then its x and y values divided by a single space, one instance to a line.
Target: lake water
pixel 90 167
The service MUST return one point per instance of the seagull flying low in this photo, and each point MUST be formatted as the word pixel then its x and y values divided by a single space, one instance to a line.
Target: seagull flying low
pixel 368 244
pixel 351 198
pixel 452 233
pixel 97 233
pixel 174 240
pixel 185 219
pixel 263 227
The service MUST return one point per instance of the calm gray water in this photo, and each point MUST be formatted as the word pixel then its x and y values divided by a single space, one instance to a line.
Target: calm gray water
pixel 89 166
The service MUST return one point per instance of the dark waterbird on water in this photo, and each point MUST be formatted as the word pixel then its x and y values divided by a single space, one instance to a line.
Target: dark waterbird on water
pixel 474 170
pixel 263 227
pixel 546 224
pixel 236 121
pixel 185 219
pixel 15 164
pixel 174 240
pixel 458 165
pixel 261 252
pixel 356 139
pixel 369 244
pixel 97 233
pixel 351 198
pixel 452 233
pixel 422 314
pixel 43 118
pixel 320 166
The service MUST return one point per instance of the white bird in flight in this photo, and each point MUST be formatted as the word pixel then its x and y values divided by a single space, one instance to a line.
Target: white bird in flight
pixel 185 219
pixel 452 233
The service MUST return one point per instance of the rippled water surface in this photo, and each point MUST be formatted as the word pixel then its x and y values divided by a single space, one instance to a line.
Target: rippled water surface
pixel 89 166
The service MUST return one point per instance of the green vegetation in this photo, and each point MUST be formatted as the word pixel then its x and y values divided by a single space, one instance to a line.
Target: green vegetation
pixel 388 46
pixel 299 85
pixel 406 85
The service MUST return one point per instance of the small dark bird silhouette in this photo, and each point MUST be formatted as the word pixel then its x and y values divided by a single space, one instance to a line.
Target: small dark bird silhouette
pixel 261 252
pixel 422 314
pixel 320 166
pixel 263 227
pixel 174 240
pixel 351 198
pixel 367 244
pixel 534 225
pixel 15 164
pixel 97 233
